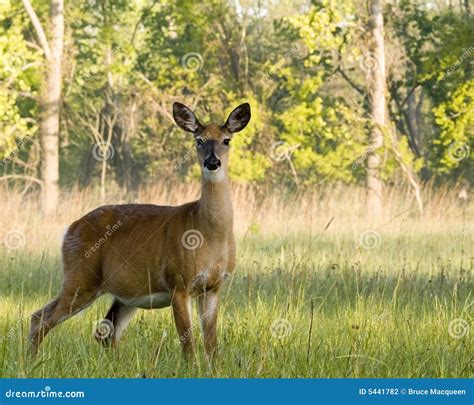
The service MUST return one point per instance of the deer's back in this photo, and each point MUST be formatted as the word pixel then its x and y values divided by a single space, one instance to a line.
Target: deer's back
pixel 137 249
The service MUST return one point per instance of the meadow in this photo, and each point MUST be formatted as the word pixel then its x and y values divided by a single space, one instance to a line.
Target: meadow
pixel 318 291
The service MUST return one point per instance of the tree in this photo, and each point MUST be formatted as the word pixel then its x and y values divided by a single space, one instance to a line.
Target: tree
pixel 376 77
pixel 50 100
pixel 323 93
pixel 19 63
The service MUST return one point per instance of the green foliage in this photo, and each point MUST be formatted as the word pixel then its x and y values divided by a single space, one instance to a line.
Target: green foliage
pixel 324 133
pixel 437 43
pixel 19 80
pixel 300 67
pixel 455 118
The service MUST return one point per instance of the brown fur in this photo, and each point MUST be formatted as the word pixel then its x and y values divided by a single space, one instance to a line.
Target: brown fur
pixel 136 250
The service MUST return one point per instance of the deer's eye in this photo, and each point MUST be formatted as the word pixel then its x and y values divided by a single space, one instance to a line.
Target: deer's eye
pixel 199 142
pixel 226 142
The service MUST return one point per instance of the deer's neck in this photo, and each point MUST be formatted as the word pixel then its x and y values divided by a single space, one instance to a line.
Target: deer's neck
pixel 215 208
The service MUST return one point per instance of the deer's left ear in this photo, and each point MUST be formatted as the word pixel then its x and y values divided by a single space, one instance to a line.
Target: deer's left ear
pixel 238 119
pixel 185 118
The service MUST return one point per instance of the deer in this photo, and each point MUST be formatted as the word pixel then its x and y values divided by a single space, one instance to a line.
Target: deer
pixel 153 256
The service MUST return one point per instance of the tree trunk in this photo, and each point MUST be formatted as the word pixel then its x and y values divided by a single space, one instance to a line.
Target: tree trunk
pixel 127 159
pixel 411 117
pixel 50 106
pixel 376 77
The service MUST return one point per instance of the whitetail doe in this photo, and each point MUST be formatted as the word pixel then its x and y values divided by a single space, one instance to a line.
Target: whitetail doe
pixel 150 256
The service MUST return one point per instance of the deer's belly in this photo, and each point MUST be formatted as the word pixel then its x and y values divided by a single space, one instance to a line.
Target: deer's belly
pixel 152 301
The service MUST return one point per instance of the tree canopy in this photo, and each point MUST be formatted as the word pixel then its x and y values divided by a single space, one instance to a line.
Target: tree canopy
pixel 301 65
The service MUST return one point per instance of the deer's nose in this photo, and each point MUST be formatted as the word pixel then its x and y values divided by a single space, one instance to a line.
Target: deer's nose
pixel 212 163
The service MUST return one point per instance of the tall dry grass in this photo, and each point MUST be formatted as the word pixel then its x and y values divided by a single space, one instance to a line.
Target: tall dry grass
pixel 395 304
pixel 256 209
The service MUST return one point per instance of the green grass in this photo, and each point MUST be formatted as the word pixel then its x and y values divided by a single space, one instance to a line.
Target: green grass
pixel 382 312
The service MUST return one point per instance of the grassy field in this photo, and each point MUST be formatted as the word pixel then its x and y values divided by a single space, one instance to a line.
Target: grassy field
pixel 318 292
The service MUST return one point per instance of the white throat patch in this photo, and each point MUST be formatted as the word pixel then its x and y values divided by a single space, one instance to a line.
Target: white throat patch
pixel 214 175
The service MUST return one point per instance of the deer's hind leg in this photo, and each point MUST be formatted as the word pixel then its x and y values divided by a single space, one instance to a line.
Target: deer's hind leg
pixel 110 331
pixel 76 295
pixel 40 324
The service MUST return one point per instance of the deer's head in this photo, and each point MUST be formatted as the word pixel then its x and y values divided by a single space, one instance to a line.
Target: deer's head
pixel 212 141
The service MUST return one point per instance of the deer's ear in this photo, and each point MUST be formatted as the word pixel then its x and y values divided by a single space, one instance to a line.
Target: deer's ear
pixel 239 118
pixel 185 118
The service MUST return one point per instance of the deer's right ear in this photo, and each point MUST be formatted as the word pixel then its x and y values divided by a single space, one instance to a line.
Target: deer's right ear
pixel 185 118
pixel 238 119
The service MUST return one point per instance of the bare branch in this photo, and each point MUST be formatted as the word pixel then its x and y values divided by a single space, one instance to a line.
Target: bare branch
pixel 144 13
pixel 351 83
pixel 38 28
pixel 21 177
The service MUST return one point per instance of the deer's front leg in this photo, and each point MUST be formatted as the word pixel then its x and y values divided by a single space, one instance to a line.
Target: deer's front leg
pixel 208 306
pixel 182 312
